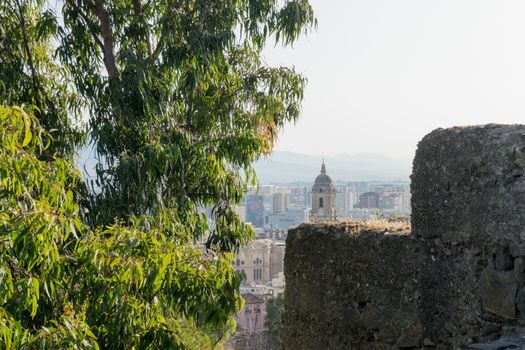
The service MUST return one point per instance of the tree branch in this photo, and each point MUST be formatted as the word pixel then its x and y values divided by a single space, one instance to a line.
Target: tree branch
pixel 158 49
pixel 34 75
pixel 137 6
pixel 108 50
pixel 160 42
pixel 90 5
pixel 89 24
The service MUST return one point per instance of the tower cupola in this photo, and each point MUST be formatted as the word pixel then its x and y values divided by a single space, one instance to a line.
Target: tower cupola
pixel 323 197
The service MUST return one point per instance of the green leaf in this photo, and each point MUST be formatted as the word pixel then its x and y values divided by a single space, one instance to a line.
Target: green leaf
pixel 175 114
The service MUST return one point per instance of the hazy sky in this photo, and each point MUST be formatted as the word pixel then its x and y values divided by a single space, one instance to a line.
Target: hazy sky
pixel 383 73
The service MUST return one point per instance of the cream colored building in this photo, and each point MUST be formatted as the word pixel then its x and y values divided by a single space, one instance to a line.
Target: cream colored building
pixel 323 198
pixel 280 202
pixel 261 261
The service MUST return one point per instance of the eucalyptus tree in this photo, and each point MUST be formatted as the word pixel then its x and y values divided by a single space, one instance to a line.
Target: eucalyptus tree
pixel 181 103
pixel 29 74
pixel 178 104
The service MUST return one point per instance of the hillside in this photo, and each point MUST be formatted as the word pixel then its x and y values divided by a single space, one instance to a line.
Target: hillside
pixel 285 167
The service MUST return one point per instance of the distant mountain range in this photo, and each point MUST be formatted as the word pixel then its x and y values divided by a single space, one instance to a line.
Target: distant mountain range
pixel 286 167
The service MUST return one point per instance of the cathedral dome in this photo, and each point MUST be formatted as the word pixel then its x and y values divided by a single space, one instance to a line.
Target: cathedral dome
pixel 323 198
pixel 323 182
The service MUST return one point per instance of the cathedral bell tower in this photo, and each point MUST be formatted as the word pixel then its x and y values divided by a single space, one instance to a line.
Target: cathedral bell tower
pixel 323 198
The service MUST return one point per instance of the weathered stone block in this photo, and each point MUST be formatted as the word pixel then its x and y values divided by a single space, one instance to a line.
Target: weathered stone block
pixel 517 248
pixel 349 287
pixel 498 292
pixel 503 261
pixel 519 265
pixel 410 339
pixel 490 328
pixel 520 304
pixel 468 183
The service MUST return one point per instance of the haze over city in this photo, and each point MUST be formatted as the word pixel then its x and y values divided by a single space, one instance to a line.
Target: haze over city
pixel 381 74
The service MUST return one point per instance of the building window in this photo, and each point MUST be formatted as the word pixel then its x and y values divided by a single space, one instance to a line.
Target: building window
pixel 242 262
pixel 321 202
pixel 238 262
pixel 257 273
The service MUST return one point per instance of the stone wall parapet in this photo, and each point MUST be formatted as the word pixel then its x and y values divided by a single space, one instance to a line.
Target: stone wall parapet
pixel 456 278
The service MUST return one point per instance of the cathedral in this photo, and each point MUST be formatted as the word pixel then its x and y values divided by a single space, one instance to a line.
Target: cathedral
pixel 323 198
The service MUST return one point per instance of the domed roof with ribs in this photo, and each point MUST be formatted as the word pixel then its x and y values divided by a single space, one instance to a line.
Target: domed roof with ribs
pixel 323 182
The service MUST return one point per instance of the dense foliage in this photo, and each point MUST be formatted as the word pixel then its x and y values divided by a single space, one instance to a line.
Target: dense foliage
pixel 176 100
pixel 274 315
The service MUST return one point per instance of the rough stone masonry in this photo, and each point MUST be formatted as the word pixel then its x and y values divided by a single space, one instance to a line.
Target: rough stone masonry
pixel 456 280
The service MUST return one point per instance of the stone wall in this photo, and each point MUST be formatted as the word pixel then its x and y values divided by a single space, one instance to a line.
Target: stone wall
pixel 350 287
pixel 468 203
pixel 459 276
